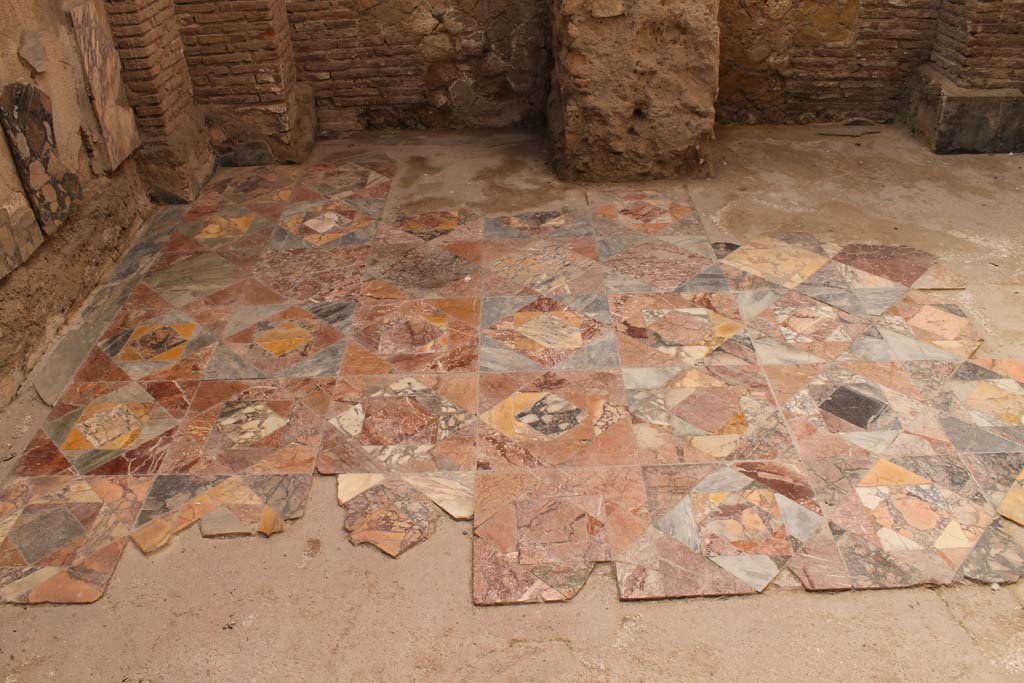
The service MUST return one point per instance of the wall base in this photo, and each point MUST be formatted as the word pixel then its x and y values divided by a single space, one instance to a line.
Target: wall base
pixel 268 134
pixel 956 120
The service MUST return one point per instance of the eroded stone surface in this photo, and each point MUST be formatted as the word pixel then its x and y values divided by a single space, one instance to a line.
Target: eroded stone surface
pixel 106 90
pixel 633 87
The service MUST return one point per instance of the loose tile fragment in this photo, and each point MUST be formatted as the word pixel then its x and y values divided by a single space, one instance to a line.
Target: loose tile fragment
pixel 106 90
pixel 392 516
pixel 450 491
pixel 26 114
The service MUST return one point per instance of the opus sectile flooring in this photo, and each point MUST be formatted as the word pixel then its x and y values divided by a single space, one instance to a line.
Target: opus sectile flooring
pixel 588 382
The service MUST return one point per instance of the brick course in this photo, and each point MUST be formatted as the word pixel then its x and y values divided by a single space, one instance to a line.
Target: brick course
pixel 980 43
pixel 155 71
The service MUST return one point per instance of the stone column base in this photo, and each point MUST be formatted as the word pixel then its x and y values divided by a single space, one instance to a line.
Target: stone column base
pixel 956 120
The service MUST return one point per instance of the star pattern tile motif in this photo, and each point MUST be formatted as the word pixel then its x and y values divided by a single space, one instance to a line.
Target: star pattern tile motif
pixel 526 333
pixel 589 381
pixel 706 412
pixel 439 227
pixel 415 423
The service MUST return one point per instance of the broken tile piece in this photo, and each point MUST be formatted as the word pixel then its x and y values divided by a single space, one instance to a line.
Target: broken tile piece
pixel 940 277
pixel 270 522
pixel 351 485
pixel 33 52
pixel 224 522
pixel 26 114
pixel 453 492
pixel 392 516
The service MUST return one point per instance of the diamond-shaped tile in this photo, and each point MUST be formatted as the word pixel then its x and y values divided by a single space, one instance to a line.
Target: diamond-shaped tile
pixel 564 418
pixel 400 424
pixel 547 332
pixel 280 342
pixel 657 330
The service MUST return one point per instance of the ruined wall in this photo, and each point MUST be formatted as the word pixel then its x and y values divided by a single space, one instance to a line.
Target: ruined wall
pixel 786 61
pixel 61 251
pixel 423 63
pixel 242 65
pixel 175 157
pixel 633 87
pixel 980 43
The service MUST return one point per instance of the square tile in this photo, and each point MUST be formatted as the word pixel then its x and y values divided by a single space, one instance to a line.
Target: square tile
pixel 530 333
pixel 568 418
pixel 59 541
pixel 650 265
pixel 799 329
pixel 542 267
pixel 107 428
pixel 659 330
pixel 313 275
pixel 705 413
pixel 411 424
pixel 418 270
pixel 903 521
pixel 250 426
pixel 429 335
pixel 853 409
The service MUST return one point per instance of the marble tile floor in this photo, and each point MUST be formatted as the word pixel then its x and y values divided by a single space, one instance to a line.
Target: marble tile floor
pixel 591 382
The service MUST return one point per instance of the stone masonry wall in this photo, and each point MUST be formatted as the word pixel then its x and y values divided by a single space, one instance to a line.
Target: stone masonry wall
pixel 243 71
pixel 633 87
pixel 48 267
pixel 980 43
pixel 786 61
pixel 175 156
pixel 423 63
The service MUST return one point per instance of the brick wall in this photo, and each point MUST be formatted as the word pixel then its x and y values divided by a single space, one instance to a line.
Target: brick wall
pixel 980 43
pixel 352 65
pixel 821 60
pixel 154 65
pixel 414 63
pixel 832 59
pixel 175 157
pixel 865 77
pixel 239 54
